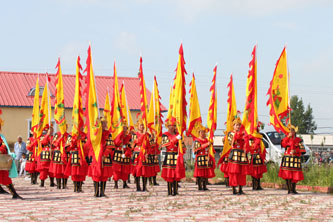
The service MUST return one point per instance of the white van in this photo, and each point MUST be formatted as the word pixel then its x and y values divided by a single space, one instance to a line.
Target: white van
pixel 272 141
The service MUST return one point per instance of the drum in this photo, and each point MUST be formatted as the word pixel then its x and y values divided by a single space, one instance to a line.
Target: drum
pixel 5 162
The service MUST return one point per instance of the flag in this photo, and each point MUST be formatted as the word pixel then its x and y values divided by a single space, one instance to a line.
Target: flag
pixel 155 116
pixel 125 108
pixel 77 114
pixel 35 111
pixel 116 115
pixel 212 116
pixel 93 123
pixel 278 100
pixel 170 110
pixel 250 115
pixel 143 96
pixel 231 115
pixel 107 110
pixel 59 108
pixel 195 115
pixel 179 108
pixel 44 112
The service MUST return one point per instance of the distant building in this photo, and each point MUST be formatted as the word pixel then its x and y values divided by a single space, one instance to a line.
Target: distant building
pixel 17 95
pixel 322 142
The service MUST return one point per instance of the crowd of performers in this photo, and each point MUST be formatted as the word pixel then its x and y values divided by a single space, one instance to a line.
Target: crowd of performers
pixel 59 157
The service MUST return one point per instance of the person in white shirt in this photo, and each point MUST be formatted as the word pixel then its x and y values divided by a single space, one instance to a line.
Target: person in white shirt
pixel 23 160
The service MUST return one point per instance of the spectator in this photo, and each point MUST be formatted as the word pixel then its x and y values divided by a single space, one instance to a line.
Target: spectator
pixel 19 149
pixel 23 160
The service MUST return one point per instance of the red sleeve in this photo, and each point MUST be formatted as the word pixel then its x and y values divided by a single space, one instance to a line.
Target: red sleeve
pixel 46 140
pixel 3 149
pixel 285 142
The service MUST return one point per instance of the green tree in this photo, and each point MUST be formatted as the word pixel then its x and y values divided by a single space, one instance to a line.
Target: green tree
pixel 302 118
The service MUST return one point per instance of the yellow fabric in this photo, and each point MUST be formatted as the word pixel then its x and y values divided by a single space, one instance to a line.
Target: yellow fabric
pixel 231 115
pixel 94 124
pixel 77 115
pixel 125 109
pixel 116 118
pixel 107 110
pixel 155 113
pixel 59 109
pixel 195 114
pixel 212 113
pixel 35 110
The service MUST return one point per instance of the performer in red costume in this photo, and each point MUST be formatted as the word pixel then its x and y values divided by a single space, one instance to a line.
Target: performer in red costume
pixel 237 162
pixel 122 158
pixel 257 166
pixel 96 169
pixel 59 159
pixel 142 164
pixel 31 165
pixel 291 167
pixel 4 174
pixel 153 155
pixel 224 161
pixel 77 166
pixel 170 141
pixel 204 168
pixel 44 159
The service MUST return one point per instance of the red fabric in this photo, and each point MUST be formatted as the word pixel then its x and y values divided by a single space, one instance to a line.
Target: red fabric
pixel 292 148
pixel 4 174
pixel 254 170
pixel 205 172
pixel 237 172
pixel 58 169
pixel 31 166
pixel 170 174
pixel 95 170
pixel 121 171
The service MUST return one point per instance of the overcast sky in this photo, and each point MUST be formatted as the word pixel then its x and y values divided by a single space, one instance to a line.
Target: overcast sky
pixel 35 33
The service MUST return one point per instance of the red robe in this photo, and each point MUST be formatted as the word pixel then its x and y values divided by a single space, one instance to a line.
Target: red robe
pixel 154 153
pixel 257 165
pixel 121 162
pixel 4 174
pixel 237 161
pixel 142 165
pixel 59 161
pixel 291 167
pixel 31 164
pixel 203 168
pixel 96 171
pixel 169 174
pixel 77 166
pixel 44 158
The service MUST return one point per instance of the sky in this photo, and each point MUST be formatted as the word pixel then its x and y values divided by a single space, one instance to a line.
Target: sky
pixel 35 33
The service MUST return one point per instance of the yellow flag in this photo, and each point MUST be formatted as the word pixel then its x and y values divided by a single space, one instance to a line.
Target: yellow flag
pixel 278 100
pixel 116 116
pixel 77 114
pixel 143 96
pixel 35 110
pixel 125 108
pixel 195 115
pixel 93 122
pixel 59 108
pixel 212 110
pixel 107 110
pixel 155 116
pixel 231 115
pixel 45 109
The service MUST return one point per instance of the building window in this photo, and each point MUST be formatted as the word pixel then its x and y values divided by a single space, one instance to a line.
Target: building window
pixel 41 89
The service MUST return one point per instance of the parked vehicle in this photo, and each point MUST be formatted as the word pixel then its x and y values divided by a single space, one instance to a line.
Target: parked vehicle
pixel 272 141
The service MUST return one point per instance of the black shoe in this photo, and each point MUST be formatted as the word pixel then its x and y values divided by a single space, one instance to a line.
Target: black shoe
pixel 144 182
pixel 294 188
pixel 75 186
pixel 129 178
pixel 115 184
pixel 102 189
pixel 137 182
pixel 234 191
pixel 64 183
pixel 125 186
pixel 227 182
pixel 175 188
pixel 42 183
pixel 154 180
pixel 150 181
pixel 52 182
pixel 199 182
pixel 96 189
pixel 240 192
pixel 259 186
pixel 58 183
pixel 289 186
pixel 13 192
pixel 2 191
pixel 169 189
pixel 205 182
